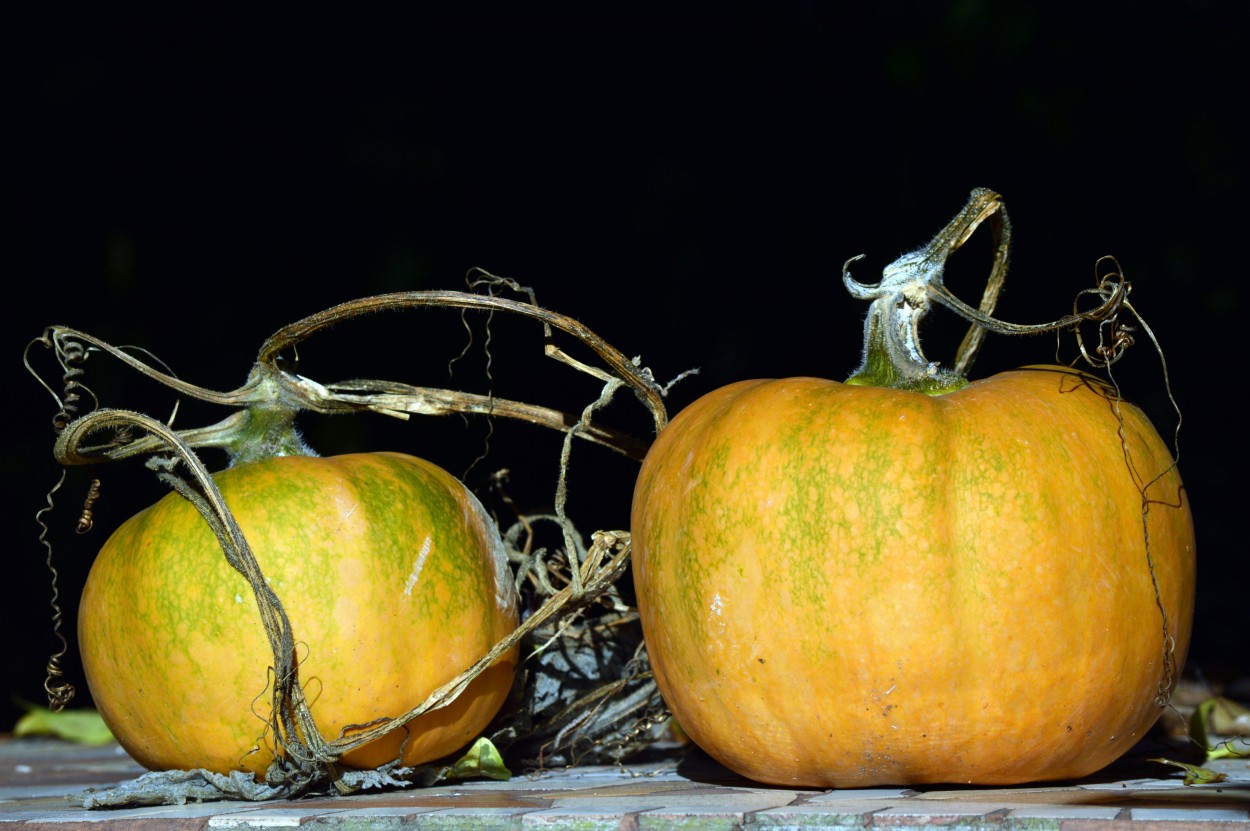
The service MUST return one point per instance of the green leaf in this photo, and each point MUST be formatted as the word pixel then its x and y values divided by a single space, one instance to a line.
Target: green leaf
pixel 80 726
pixel 1218 717
pixel 1222 717
pixel 1228 749
pixel 1194 775
pixel 482 760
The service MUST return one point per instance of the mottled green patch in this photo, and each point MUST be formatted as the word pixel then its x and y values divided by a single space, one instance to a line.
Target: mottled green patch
pixel 703 508
pixel 410 503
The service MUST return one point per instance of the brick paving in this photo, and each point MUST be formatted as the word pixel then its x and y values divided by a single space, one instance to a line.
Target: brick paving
pixel 695 794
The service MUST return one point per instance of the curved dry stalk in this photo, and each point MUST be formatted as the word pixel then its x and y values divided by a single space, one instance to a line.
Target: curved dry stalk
pixel 982 205
pixel 271 388
pixel 394 399
pixel 214 435
pixel 1111 303
pixel 58 338
pixel 400 400
pixel 638 379
pixel 290 718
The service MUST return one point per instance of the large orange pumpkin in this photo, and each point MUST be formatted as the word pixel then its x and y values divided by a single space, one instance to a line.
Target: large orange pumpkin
pixel 844 585
pixel 393 577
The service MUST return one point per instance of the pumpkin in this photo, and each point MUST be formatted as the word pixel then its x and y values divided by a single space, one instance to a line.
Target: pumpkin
pixel 392 575
pixel 843 586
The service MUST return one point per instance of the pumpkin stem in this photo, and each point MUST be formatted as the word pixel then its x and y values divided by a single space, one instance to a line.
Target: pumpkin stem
pixel 266 426
pixel 893 356
pixel 909 285
pixel 267 432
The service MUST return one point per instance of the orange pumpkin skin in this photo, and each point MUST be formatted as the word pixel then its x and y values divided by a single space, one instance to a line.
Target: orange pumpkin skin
pixel 848 586
pixel 393 577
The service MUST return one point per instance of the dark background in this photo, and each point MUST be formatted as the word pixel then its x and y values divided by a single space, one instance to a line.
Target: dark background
pixel 685 181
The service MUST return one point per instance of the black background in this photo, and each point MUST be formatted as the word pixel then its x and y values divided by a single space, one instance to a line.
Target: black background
pixel 686 181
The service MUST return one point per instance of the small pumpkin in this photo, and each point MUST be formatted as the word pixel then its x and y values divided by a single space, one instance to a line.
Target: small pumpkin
pixel 908 578
pixel 392 574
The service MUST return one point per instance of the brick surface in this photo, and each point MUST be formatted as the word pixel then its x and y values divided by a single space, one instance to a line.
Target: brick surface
pixel 268 818
pixel 849 814
pixel 1064 812
pixel 1191 815
pixel 711 812
pixel 935 813
pixel 695 795
pixel 471 819
pixel 603 818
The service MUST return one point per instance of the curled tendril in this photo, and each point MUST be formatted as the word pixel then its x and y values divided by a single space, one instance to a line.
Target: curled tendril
pixel 1114 336
pixel 72 359
pixel 85 519
pixel 70 354
pixel 60 693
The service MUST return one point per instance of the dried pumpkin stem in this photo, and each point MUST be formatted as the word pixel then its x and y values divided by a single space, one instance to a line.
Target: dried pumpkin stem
pixel 893 356
pixel 638 379
pixel 272 389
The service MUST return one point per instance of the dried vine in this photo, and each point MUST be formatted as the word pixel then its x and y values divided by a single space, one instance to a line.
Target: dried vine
pixel 1114 338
